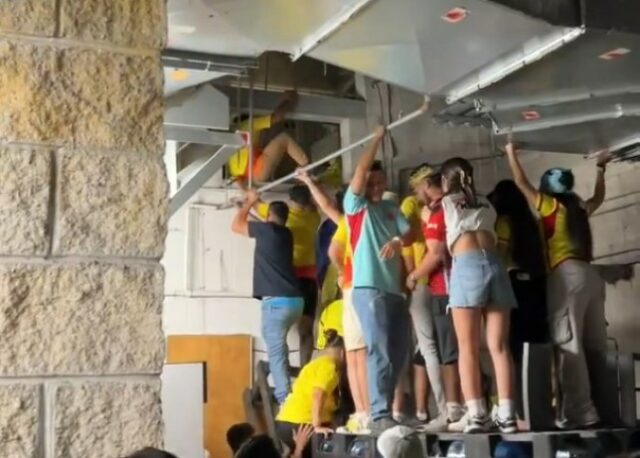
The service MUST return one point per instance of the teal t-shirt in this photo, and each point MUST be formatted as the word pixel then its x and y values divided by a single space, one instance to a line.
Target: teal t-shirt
pixel 371 225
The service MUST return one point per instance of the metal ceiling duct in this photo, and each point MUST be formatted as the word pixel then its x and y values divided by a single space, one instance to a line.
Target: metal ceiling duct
pixel 581 98
pixel 427 46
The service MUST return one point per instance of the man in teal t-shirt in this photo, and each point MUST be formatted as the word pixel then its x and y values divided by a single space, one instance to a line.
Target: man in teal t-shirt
pixel 377 232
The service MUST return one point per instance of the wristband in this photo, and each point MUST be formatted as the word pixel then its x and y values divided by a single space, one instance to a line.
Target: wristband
pixel 602 168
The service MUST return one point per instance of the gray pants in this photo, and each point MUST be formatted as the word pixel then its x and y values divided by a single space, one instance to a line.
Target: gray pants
pixel 424 326
pixel 575 298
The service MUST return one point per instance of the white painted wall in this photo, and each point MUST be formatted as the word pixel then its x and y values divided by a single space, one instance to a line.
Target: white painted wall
pixel 208 280
pixel 182 398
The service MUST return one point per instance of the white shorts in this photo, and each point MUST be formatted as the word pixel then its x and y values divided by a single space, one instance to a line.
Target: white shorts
pixel 353 337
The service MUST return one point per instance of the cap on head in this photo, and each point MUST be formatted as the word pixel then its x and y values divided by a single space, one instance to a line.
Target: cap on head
pixel 557 181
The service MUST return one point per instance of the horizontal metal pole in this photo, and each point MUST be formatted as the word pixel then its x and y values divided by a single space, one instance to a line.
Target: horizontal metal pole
pixel 530 52
pixel 420 111
pixel 208 62
pixel 202 136
pixel 617 111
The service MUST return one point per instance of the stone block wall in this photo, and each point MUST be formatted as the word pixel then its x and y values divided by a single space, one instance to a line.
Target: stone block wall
pixel 83 217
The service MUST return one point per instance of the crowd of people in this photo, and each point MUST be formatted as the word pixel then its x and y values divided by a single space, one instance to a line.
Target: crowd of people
pixel 418 287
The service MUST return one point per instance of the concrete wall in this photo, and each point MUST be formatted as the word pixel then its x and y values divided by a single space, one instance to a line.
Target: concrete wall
pixel 83 210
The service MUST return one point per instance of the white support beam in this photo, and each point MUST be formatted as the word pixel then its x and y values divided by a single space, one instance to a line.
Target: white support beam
pixel 203 136
pixel 317 108
pixel 170 160
pixel 208 169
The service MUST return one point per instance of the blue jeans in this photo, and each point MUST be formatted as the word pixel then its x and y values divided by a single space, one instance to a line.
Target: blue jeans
pixel 278 315
pixel 386 327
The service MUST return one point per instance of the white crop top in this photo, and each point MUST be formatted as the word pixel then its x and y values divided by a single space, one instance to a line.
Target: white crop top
pixel 459 219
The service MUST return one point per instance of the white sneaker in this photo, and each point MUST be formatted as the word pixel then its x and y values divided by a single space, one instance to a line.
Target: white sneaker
pixel 422 417
pixel 478 424
pixel 356 424
pixel 458 426
pixel 455 412
pixel 437 425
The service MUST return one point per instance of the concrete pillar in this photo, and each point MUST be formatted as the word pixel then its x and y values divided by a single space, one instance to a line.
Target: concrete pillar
pixel 83 212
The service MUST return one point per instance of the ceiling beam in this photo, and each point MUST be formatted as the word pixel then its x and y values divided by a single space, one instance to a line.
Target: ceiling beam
pixel 310 107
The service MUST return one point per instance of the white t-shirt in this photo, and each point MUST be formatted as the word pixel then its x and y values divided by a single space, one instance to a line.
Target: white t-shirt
pixel 460 219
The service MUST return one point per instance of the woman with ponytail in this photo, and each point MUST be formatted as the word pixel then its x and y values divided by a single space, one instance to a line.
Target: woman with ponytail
pixel 479 291
pixel 314 398
pixel 575 290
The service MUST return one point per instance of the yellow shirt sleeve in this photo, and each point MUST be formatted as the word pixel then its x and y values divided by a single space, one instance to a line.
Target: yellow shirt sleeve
pixel 341 235
pixel 503 230
pixel 262 208
pixel 546 205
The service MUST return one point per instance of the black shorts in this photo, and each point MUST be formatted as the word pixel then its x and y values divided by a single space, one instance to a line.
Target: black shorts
pixel 418 359
pixel 309 290
pixel 445 333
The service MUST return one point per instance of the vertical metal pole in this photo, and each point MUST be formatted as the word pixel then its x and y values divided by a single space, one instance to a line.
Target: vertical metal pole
pixel 250 139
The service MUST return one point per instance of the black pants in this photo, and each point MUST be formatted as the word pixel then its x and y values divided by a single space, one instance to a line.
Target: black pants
pixel 528 321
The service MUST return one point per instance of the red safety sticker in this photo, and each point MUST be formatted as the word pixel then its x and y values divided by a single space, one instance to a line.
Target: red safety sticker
pixel 455 15
pixel 530 115
pixel 615 54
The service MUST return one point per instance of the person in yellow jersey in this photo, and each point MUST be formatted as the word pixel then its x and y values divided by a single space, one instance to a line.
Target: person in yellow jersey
pixel 575 290
pixel 340 254
pixel 270 143
pixel 522 250
pixel 314 398
pixel 303 222
pixel 331 318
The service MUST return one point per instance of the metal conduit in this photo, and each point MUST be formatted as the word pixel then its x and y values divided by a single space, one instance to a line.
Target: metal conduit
pixel 420 111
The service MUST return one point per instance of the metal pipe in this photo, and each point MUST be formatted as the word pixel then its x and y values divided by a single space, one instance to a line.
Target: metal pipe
pixel 420 111
pixel 250 138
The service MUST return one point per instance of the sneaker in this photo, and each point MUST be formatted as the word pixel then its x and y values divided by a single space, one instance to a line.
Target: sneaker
pixel 422 417
pixel 477 424
pixel 437 425
pixel 455 412
pixel 506 425
pixel 458 426
pixel 590 420
pixel 400 418
pixel 357 424
pixel 377 427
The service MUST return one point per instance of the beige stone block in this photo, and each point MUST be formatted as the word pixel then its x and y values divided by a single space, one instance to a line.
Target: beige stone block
pixel 32 17
pixel 24 200
pixel 106 419
pixel 19 406
pixel 85 318
pixel 111 204
pixel 135 23
pixel 81 97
